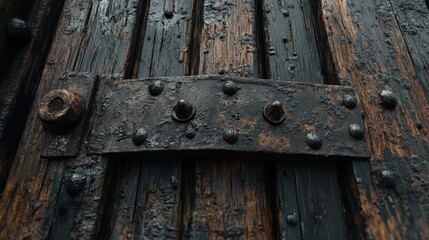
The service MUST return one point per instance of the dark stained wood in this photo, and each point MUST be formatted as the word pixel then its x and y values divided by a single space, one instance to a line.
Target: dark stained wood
pixel 320 202
pixel 20 66
pixel 291 38
pixel 144 200
pixel 86 40
pixel 370 45
pixel 228 198
pixel 146 192
pixel 378 45
pixel 311 192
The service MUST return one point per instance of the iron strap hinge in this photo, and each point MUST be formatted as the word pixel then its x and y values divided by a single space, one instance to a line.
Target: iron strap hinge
pixel 198 115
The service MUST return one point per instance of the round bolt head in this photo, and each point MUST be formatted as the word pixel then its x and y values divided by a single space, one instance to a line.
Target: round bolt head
pixel 292 219
pixel 356 131
pixel 388 99
pixel 156 88
pixel 183 111
pixel 230 135
pixel 388 178
pixel 190 133
pixel 313 141
pixel 349 101
pixel 18 28
pixel 140 136
pixel 168 14
pixel 75 182
pixel 229 88
pixel 274 113
pixel 61 111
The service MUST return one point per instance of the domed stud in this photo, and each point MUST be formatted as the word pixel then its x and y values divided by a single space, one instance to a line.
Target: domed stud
pixel 156 88
pixel 230 88
pixel 274 113
pixel 61 111
pixel 183 111
pixel 388 99
pixel 168 14
pixel 313 141
pixel 230 135
pixel 349 101
pixel 356 131
pixel 139 136
pixel 18 28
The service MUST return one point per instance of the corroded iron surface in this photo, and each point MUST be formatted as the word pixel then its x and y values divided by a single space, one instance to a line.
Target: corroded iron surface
pixel 125 106
pixel 66 126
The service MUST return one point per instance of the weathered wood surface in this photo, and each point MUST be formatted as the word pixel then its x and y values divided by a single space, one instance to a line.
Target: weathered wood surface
pixel 370 45
pixel 379 45
pixel 146 192
pixel 310 193
pixel 91 36
pixel 228 198
pixel 20 65
pixel 292 44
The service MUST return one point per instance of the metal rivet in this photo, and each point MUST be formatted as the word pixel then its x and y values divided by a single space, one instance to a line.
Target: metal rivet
pixel 156 88
pixel 140 136
pixel 75 183
pixel 274 113
pixel 229 88
pixel 419 125
pixel 292 219
pixel 349 101
pixel 356 131
pixel 313 141
pixel 17 27
pixel 61 111
pixel 388 99
pixel 230 135
pixel 190 133
pixel 285 39
pixel 168 14
pixel 183 111
pixel 387 178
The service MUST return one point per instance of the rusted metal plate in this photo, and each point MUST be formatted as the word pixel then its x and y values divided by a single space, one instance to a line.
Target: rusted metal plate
pixel 68 144
pixel 126 106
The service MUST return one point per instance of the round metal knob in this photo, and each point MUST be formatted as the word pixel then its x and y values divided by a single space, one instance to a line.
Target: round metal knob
pixel 313 141
pixel 18 29
pixel 183 111
pixel 61 111
pixel 274 113
pixel 388 99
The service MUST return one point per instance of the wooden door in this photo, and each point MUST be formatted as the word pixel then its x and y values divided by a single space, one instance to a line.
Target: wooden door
pixel 371 45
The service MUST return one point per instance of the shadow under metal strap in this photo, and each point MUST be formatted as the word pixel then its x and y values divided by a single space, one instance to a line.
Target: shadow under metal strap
pixel 201 115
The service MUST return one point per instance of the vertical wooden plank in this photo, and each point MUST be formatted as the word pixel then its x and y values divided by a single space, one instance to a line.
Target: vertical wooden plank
pixel 288 206
pixel 292 49
pixel 310 202
pixel 22 60
pixel 146 192
pixel 163 46
pixel 91 36
pixel 319 200
pixel 228 198
pixel 227 40
pixel 380 54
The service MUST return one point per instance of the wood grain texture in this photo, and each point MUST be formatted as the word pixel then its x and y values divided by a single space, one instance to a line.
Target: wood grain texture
pixel 228 198
pixel 378 45
pixel 228 41
pixel 21 63
pixel 310 203
pixel 292 43
pixel 146 192
pixel 91 36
